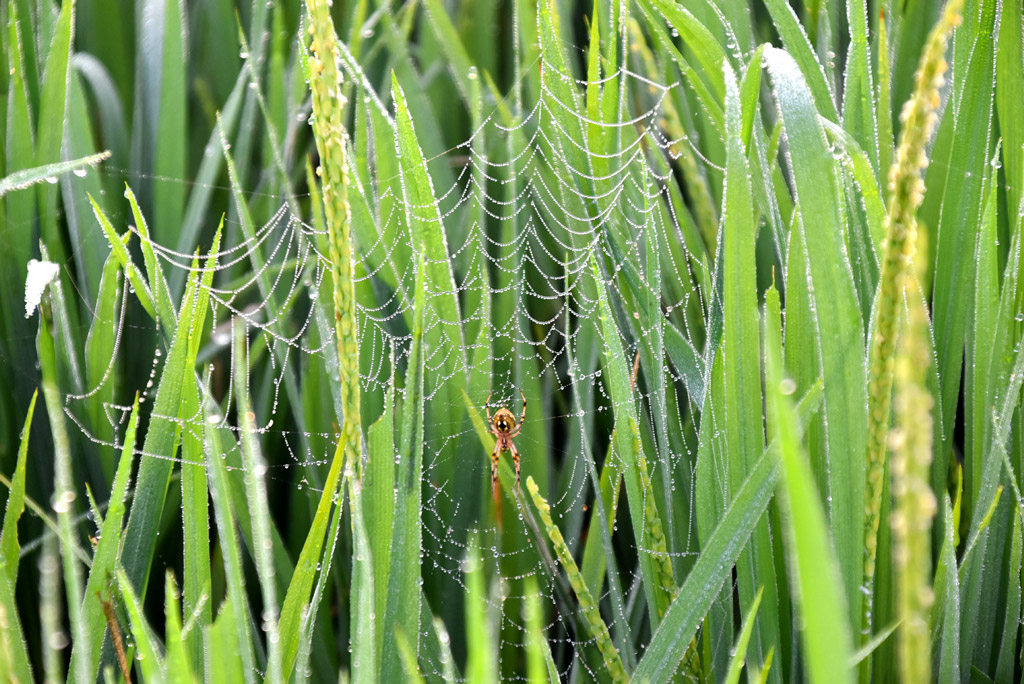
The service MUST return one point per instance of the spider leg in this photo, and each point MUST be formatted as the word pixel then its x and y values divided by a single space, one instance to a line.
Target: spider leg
pixel 494 467
pixel 515 459
pixel 523 419
pixel 487 407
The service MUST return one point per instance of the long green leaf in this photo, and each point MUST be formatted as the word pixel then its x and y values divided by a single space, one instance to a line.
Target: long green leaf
pixel 403 595
pixel 799 46
pixel 739 652
pixel 955 185
pixel 709 573
pixel 1008 650
pixel 161 441
pixel 858 93
pixel 945 624
pixel 19 180
pixel 178 669
pixel 837 318
pixel 639 497
pixel 105 558
pixel 150 659
pixel 50 127
pixel 379 506
pixel 13 646
pixel 813 571
pixel 64 488
pixel 744 439
pixel 1009 83
pixel 365 666
pixel 169 121
pixel 232 626
pixel 15 664
pixel 255 469
pixel 19 154
pixel 9 547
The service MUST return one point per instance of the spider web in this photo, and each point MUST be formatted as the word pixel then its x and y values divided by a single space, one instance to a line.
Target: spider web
pixel 535 225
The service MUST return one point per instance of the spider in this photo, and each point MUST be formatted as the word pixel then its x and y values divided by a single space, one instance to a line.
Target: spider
pixel 504 427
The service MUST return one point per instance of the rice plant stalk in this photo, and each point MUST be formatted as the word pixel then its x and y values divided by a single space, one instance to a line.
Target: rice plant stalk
pixel 911 443
pixel 652 523
pixel 906 190
pixel 591 613
pixel 64 483
pixel 328 106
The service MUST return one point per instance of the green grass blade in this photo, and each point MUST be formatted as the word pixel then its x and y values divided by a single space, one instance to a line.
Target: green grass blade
pixel 379 513
pixel 709 502
pixel 19 180
pixel 149 656
pixel 195 518
pixel 597 627
pixel 744 436
pixel 1008 650
pixel 15 664
pixel 872 644
pixel 162 439
pixel 981 384
pixel 459 61
pixel 197 209
pixel 593 565
pixel 739 651
pixel 946 613
pixel 858 88
pixel 482 659
pixel 886 144
pixel 275 311
pixel 178 669
pixel 1009 84
pixel 98 81
pixel 301 584
pixel 813 570
pixel 50 619
pixel 105 557
pixel 866 179
pixel 101 372
pixel 170 119
pixel 221 638
pixel 364 621
pixel 709 573
pixel 658 581
pixel 700 40
pixel 64 489
pixel 87 254
pixel 427 232
pixel 408 661
pixel 9 547
pixel 540 666
pixel 799 46
pixel 403 590
pixel 19 153
pixel 50 127
pixel 117 246
pixel 447 659
pixel 232 626
pixel 959 195
pixel 156 280
pixel 255 468
pixel 835 309
pixel 750 89
pixel 599 561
